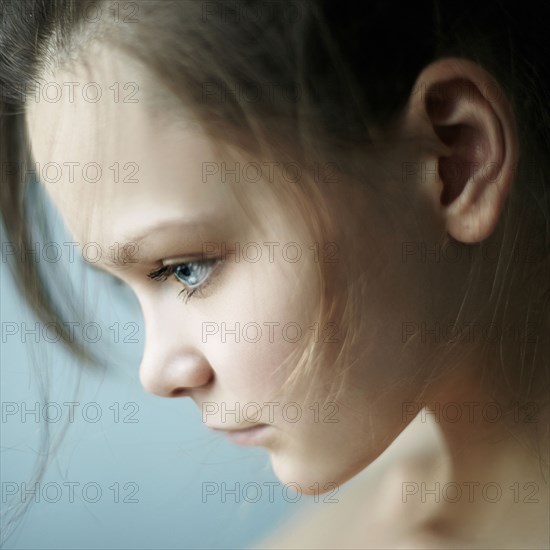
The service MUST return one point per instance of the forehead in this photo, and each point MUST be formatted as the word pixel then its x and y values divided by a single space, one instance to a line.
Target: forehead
pixel 113 147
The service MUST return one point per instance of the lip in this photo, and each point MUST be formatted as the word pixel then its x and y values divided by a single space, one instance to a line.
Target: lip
pixel 255 435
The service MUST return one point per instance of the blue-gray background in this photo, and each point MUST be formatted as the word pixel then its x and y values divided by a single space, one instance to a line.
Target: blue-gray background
pixel 159 446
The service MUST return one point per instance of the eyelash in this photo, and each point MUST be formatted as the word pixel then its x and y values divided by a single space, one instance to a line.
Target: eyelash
pixel 164 272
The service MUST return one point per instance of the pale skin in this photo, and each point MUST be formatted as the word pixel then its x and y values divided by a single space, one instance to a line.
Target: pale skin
pixel 179 360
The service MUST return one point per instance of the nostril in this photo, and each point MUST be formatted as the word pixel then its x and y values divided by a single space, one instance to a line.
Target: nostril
pixel 179 392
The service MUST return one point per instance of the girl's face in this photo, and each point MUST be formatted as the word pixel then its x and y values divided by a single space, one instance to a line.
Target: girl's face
pixel 144 173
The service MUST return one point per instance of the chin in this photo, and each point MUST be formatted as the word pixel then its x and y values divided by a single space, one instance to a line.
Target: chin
pixel 312 477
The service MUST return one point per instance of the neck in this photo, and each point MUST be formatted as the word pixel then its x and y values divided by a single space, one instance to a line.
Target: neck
pixel 493 475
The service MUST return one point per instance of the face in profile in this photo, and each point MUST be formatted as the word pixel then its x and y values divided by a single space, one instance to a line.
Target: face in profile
pixel 229 276
pixel 335 222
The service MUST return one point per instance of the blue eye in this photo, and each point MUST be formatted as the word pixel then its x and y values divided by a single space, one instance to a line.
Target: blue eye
pixel 191 274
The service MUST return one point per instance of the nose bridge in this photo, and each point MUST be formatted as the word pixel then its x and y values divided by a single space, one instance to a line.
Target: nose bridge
pixel 171 362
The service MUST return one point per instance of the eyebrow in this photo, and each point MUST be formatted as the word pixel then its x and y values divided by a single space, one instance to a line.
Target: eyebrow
pixel 127 251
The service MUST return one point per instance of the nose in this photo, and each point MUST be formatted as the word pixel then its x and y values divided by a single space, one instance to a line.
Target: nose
pixel 174 376
pixel 171 366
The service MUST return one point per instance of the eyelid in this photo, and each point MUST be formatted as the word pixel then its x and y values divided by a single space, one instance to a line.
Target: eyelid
pixel 167 269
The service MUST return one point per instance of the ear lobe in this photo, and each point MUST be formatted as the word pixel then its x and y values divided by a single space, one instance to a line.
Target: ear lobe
pixel 476 145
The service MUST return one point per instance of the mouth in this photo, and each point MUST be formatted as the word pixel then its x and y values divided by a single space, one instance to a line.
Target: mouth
pixel 254 435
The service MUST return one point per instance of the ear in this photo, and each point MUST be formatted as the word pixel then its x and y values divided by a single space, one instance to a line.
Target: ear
pixel 466 117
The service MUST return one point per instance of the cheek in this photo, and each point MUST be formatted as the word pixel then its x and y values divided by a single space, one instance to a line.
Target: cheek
pixel 255 323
